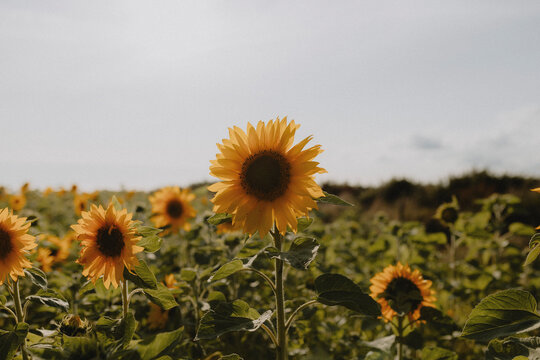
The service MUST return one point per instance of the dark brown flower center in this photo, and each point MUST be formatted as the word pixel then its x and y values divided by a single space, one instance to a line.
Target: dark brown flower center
pixel 5 244
pixel 175 209
pixel 110 241
pixel 402 295
pixel 266 175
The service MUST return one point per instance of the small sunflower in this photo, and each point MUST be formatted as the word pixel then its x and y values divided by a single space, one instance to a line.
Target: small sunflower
pixel 45 258
pixel 17 202
pixel 265 179
pixel 15 243
pixel 171 206
pixel 401 291
pixel 170 281
pixel 108 239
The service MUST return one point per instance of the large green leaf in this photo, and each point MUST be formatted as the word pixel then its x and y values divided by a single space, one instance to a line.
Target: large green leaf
pixel 37 277
pixel 121 330
pixel 335 289
pixel 332 199
pixel 437 353
pixel 10 341
pixel 227 317
pixel 143 277
pixel 301 253
pixel 218 219
pixel 49 298
pixel 161 296
pixel 157 345
pixel 227 270
pixel 534 245
pixel 151 242
pixel 512 347
pixel 501 314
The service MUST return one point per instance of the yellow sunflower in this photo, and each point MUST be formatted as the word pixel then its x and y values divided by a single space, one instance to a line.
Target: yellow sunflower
pixel 401 291
pixel 265 179
pixel 538 191
pixel 171 206
pixel 108 239
pixel 15 243
pixel 17 202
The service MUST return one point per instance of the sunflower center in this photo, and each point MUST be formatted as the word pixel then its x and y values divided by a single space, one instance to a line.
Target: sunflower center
pixel 266 175
pixel 402 295
pixel 110 240
pixel 175 209
pixel 5 244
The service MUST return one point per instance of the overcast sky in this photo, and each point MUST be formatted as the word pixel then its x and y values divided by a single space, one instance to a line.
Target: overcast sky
pixel 135 94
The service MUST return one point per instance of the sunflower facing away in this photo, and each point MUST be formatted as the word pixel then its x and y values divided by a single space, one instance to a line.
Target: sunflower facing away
pixel 171 206
pixel 108 239
pixel 265 179
pixel 401 291
pixel 14 245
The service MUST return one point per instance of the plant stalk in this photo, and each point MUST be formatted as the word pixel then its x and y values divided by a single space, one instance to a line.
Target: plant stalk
pixel 280 301
pixel 20 314
pixel 400 337
pixel 125 299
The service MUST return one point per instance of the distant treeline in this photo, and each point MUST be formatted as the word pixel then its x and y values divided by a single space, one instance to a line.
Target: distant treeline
pixel 407 200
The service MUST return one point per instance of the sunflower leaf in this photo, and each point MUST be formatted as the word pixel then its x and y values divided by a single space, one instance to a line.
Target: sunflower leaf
pixel 513 347
pixel 231 357
pixel 37 277
pixel 218 219
pixel 301 253
pixel 504 313
pixel 534 245
pixel 154 346
pixel 150 241
pixel 161 296
pixel 304 223
pixel 49 298
pixel 143 276
pixel 87 286
pixel 437 353
pixel 10 341
pixel 332 199
pixel 227 317
pixel 335 289
pixel 227 270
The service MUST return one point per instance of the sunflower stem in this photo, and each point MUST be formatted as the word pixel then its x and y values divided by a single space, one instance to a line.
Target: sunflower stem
pixel 293 315
pixel 280 301
pixel 20 315
pixel 125 298
pixel 400 337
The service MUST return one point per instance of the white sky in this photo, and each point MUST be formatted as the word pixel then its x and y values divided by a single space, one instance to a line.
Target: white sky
pixel 136 94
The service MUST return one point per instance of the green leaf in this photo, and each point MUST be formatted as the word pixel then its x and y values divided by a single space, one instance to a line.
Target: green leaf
pixel 121 330
pixel 74 346
pixel 231 357
pixel 87 286
pixel 49 298
pixel 10 341
pixel 303 223
pixel 437 353
pixel 504 313
pixel 143 277
pixel 513 347
pixel 335 289
pixel 227 317
pixel 151 242
pixel 157 345
pixel 161 296
pixel 3 299
pixel 442 323
pixel 219 219
pixel 534 245
pixel 37 277
pixel 227 270
pixel 381 345
pixel 332 199
pixel 301 253
pixel 188 275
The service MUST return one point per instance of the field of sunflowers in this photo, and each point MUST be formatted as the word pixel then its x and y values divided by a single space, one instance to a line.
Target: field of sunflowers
pixel 263 264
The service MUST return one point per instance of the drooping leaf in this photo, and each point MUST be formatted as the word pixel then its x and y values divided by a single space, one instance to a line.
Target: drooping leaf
pixel 11 340
pixel 335 289
pixel 227 270
pixel 227 317
pixel 49 298
pixel 219 219
pixel 157 345
pixel 332 199
pixel 437 353
pixel 161 296
pixel 143 277
pixel 301 253
pixel 37 277
pixel 504 313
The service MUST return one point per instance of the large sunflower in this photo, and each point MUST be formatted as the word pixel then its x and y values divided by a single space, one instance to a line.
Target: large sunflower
pixel 171 206
pixel 108 239
pixel 14 245
pixel 401 291
pixel 265 180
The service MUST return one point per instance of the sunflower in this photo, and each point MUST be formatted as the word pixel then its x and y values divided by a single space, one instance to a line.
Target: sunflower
pixel 45 258
pixel 108 239
pixel 14 245
pixel 265 180
pixel 17 202
pixel 171 206
pixel 401 291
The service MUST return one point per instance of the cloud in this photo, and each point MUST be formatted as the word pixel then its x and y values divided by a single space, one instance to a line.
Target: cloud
pixel 426 143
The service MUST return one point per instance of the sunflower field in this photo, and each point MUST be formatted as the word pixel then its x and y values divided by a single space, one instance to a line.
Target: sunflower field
pixel 264 264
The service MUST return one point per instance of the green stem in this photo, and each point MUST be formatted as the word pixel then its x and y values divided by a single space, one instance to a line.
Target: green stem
pixel 125 300
pixel 280 302
pixel 19 312
pixel 400 337
pixel 300 308
pixel 266 278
